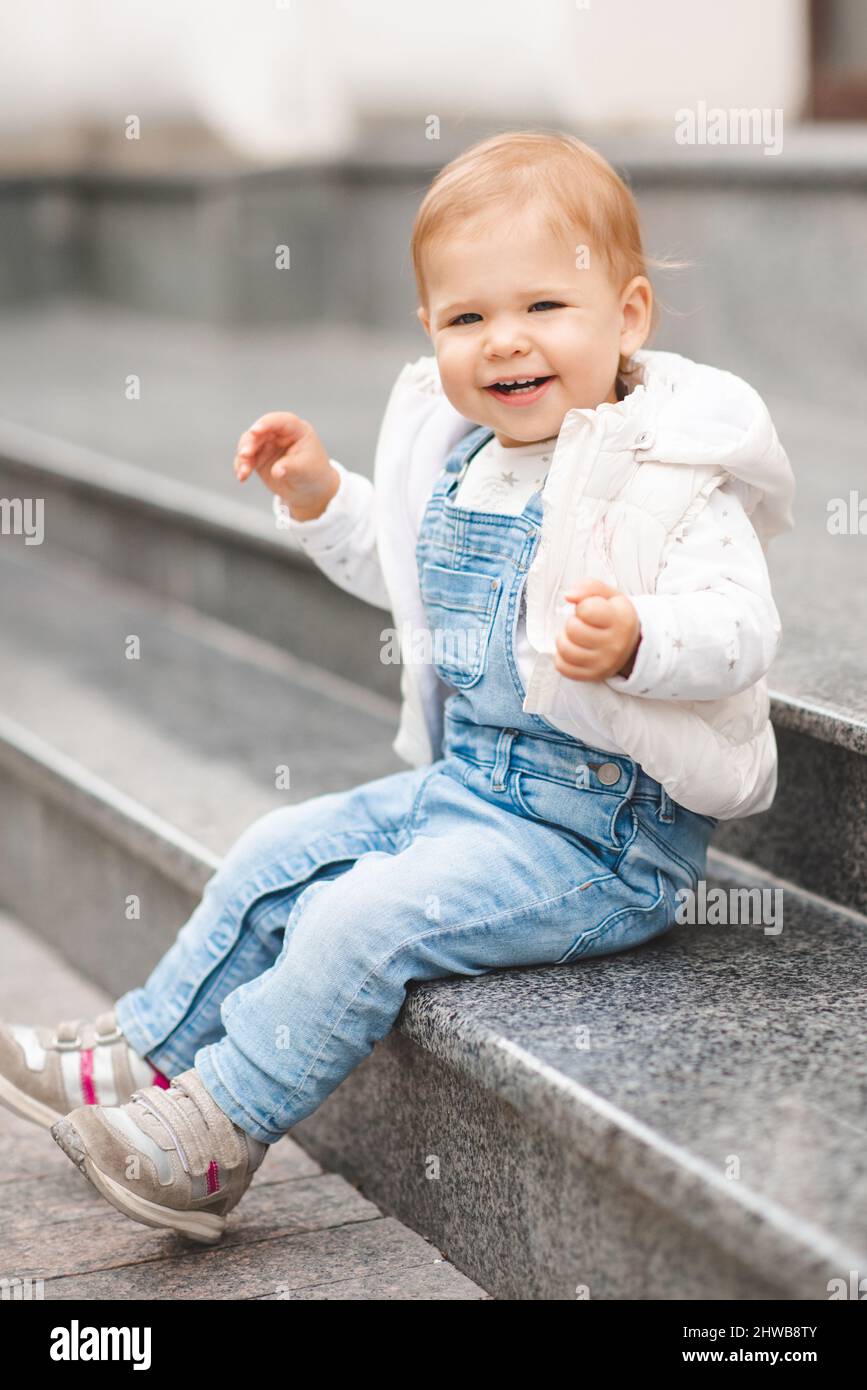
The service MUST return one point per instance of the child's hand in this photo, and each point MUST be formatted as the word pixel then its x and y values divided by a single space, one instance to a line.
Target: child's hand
pixel 602 638
pixel 291 460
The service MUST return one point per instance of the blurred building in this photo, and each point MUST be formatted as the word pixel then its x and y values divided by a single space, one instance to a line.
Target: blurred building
pixel 276 81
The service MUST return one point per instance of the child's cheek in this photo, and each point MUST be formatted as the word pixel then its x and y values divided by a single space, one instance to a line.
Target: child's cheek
pixel 456 377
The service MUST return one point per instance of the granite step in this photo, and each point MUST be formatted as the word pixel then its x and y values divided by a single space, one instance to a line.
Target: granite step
pixel 685 1120
pixel 211 549
pixel 164 734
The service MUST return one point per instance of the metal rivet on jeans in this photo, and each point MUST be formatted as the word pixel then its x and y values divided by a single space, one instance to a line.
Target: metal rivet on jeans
pixel 608 773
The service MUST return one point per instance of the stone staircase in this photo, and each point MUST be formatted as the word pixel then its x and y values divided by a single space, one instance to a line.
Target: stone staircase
pixel 710 1140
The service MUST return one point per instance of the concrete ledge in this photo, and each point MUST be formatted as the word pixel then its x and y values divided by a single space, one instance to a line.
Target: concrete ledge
pixel 201 245
pixel 73 850
pixel 815 151
pixel 813 833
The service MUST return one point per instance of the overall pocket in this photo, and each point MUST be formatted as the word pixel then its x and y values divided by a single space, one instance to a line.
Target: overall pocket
pixel 623 927
pixel 678 847
pixel 460 606
pixel 603 822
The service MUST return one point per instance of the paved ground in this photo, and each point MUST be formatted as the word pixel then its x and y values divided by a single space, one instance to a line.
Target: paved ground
pixel 300 1232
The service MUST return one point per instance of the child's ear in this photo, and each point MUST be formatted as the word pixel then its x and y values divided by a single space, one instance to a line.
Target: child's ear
pixel 423 319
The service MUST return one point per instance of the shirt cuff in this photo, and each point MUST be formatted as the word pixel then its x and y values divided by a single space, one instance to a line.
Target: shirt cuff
pixel 648 674
pixel 316 527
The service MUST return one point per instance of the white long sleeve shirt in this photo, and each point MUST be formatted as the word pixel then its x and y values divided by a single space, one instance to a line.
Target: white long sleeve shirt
pixel 711 629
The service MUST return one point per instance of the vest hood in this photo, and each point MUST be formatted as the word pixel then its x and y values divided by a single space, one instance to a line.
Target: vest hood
pixel 708 416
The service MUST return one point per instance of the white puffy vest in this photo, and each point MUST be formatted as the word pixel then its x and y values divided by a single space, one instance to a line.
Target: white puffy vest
pixel 624 480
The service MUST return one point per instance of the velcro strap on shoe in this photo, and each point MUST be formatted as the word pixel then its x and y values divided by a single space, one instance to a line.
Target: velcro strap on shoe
pixel 67 1032
pixel 106 1027
pixel 221 1141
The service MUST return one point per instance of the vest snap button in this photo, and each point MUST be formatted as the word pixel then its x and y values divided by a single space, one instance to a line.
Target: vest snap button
pixel 644 439
pixel 608 774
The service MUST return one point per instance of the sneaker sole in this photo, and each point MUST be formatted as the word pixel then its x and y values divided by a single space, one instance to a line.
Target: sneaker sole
pixel 202 1226
pixel 27 1107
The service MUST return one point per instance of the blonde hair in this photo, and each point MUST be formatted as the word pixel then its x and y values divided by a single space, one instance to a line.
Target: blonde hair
pixel 573 184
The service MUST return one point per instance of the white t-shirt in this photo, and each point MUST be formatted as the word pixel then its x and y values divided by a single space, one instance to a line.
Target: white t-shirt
pixel 500 479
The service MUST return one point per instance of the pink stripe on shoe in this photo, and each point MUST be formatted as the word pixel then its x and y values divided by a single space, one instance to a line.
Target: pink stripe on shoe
pixel 88 1089
pixel 213 1177
pixel 160 1080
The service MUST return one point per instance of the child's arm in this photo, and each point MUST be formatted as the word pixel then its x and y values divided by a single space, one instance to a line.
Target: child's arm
pixel 327 507
pixel 709 630
pixel 342 539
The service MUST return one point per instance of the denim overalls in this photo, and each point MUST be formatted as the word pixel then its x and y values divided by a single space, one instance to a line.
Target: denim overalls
pixel 519 846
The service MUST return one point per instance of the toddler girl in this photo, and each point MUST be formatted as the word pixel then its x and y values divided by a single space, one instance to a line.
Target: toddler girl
pixel 569 531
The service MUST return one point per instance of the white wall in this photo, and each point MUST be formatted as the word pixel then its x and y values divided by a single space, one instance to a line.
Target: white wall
pixel 279 79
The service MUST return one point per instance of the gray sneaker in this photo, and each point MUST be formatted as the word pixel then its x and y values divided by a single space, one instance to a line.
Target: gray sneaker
pixel 168 1158
pixel 45 1072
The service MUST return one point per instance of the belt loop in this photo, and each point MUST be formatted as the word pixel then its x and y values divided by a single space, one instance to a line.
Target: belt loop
pixel 665 810
pixel 501 761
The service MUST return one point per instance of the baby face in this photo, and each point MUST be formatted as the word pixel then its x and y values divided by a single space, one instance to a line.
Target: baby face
pixel 508 301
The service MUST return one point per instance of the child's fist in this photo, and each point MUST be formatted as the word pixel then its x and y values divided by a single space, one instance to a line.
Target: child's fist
pixel 291 460
pixel 602 637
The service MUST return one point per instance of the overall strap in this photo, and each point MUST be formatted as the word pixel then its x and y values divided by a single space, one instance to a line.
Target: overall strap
pixel 534 510
pixel 461 453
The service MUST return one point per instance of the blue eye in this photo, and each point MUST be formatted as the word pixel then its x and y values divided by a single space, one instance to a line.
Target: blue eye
pixel 463 316
pixel 553 303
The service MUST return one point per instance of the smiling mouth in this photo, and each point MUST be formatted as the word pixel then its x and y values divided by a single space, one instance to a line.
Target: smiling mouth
pixel 525 391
